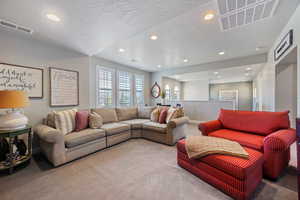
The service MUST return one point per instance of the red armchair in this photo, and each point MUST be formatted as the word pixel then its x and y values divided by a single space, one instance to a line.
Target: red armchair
pixel 267 132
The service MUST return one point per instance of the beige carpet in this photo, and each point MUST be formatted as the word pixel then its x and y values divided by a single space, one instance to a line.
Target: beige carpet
pixel 137 169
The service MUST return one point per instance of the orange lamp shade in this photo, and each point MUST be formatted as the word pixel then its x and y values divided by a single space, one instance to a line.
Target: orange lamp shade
pixel 13 99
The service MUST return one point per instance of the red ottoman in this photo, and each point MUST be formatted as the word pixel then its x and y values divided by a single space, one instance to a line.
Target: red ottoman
pixel 235 176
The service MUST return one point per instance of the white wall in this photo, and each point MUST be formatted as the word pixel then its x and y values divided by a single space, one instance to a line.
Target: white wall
pixel 196 90
pixel 266 79
pixel 94 61
pixel 23 50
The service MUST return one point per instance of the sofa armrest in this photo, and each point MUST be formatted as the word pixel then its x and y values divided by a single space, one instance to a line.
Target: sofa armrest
pixel 280 140
pixel 209 126
pixel 48 134
pixel 178 122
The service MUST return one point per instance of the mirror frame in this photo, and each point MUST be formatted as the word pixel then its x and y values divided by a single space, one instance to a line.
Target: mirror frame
pixel 152 90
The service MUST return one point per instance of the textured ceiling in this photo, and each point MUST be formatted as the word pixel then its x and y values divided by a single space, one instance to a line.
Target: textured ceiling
pixel 101 27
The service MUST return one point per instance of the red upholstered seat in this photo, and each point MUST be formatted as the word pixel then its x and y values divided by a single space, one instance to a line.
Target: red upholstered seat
pixel 245 139
pixel 237 167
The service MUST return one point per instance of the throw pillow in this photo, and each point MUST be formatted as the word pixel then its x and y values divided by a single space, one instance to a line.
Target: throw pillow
pixel 171 114
pixel 81 120
pixel 162 116
pixel 95 120
pixel 65 121
pixel 155 115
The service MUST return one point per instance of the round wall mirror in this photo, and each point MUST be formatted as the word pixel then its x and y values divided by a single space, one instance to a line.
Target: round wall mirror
pixel 155 90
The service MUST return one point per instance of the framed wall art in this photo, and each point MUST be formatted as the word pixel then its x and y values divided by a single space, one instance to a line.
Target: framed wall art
pixel 64 87
pixel 17 77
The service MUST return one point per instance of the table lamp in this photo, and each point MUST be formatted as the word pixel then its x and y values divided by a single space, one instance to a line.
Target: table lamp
pixel 13 119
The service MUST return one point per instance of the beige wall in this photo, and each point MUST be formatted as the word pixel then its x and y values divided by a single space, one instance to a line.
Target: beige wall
pixel 22 50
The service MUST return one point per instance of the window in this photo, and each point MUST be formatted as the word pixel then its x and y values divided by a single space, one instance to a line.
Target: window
pixel 124 89
pixel 176 94
pixel 139 89
pixel 168 93
pixel 104 80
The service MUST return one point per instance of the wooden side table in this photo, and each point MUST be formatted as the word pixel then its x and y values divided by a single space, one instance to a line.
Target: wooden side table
pixel 11 134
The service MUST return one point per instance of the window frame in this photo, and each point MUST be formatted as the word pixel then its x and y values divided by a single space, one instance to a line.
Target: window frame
pixel 118 88
pixel 135 89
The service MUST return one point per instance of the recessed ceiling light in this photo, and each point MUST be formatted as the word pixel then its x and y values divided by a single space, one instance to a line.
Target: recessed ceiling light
pixel 159 66
pixel 53 17
pixel 216 73
pixel 153 37
pixel 221 53
pixel 121 50
pixel 248 68
pixel 185 60
pixel 209 16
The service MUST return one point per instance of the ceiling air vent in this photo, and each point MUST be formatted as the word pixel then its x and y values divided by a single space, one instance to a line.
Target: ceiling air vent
pixel 237 13
pixel 14 26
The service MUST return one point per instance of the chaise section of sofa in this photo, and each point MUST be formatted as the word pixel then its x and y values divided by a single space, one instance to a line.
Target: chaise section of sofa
pixel 119 125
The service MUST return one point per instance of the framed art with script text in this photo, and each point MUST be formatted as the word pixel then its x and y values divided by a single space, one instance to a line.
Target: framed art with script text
pixel 17 77
pixel 64 87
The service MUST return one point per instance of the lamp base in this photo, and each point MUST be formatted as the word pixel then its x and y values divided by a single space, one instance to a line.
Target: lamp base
pixel 12 121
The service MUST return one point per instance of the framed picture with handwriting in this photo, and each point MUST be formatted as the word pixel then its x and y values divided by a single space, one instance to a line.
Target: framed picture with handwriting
pixel 64 87
pixel 17 77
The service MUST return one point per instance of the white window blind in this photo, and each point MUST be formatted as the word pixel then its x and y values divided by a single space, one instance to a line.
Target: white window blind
pixel 105 85
pixel 124 89
pixel 139 89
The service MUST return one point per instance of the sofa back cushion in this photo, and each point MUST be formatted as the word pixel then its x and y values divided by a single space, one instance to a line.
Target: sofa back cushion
pixel 65 121
pixel 108 114
pixel 126 113
pixel 262 123
pixel 145 112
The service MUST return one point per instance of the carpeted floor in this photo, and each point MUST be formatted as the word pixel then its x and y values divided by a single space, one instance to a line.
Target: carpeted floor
pixel 136 169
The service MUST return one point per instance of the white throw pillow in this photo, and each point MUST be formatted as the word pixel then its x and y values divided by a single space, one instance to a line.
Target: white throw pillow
pixel 95 120
pixel 65 121
pixel 171 114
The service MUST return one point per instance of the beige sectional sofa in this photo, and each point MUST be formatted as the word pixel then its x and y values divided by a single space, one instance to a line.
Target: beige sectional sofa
pixel 119 124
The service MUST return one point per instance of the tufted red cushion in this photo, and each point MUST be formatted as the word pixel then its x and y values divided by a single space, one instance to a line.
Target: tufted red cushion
pixel 245 139
pixel 262 123
pixel 81 120
pixel 236 167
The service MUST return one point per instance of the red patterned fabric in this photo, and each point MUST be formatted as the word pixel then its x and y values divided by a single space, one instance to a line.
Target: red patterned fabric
pixel 262 123
pixel 234 166
pixel 210 126
pixel 277 151
pixel 245 139
pixel 237 188
pixel 81 120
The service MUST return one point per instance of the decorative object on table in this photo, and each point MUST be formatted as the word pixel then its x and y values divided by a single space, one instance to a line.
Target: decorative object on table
pixel 163 97
pixel 21 146
pixel 64 87
pixel 155 90
pixel 16 77
pixel 17 154
pixel 14 119
pixel 284 45
pixel 4 149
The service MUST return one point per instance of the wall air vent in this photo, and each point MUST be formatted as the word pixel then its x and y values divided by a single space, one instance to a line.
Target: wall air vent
pixel 14 26
pixel 237 13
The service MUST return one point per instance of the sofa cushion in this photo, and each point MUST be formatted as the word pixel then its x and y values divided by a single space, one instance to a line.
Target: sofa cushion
pixel 262 123
pixel 115 128
pixel 236 167
pixel 65 121
pixel 126 113
pixel 145 112
pixel 81 120
pixel 136 123
pixel 154 126
pixel 84 136
pixel 245 139
pixel 154 116
pixel 108 114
